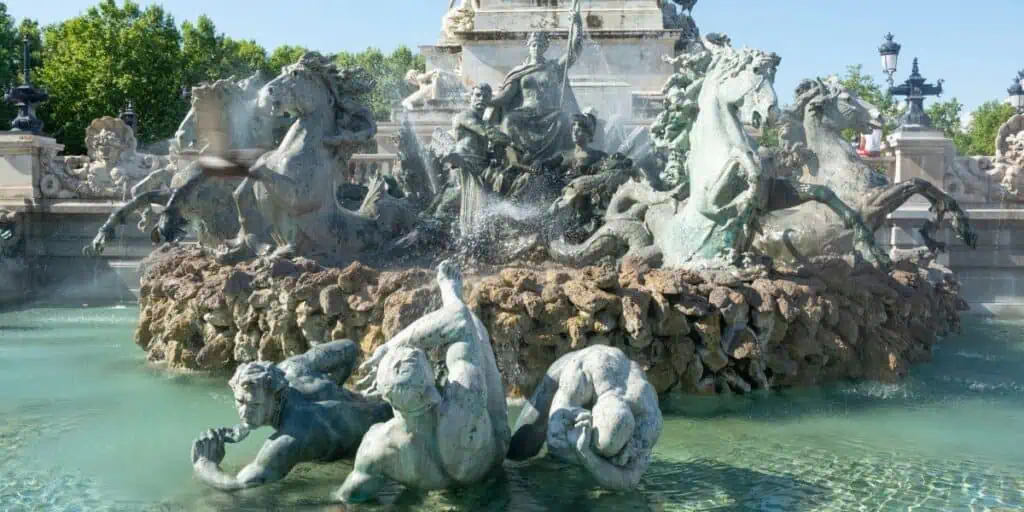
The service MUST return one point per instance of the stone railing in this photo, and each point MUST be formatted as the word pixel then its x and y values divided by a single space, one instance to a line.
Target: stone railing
pixel 362 167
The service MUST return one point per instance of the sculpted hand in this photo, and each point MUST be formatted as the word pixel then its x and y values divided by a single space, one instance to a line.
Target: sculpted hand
pixel 369 382
pixel 209 446
pixel 583 439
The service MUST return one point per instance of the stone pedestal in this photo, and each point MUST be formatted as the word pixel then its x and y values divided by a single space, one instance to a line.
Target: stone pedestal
pixel 922 154
pixel 925 154
pixel 22 160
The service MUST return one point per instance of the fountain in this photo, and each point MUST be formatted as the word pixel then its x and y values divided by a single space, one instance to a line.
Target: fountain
pixel 547 268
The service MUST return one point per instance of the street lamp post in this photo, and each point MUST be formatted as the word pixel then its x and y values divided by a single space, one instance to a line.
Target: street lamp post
pixel 26 97
pixel 1017 92
pixel 890 53
pixel 129 117
pixel 915 89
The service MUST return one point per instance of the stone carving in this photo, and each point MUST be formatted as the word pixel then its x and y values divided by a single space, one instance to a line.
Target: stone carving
pixel 1009 161
pixel 811 128
pixel 200 206
pixel 459 19
pixel 437 439
pixel 434 85
pixel 596 409
pixel 287 202
pixel 110 169
pixel 535 103
pixel 968 178
pixel 314 418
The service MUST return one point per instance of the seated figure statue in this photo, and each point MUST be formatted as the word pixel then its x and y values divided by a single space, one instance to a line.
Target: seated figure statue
pixel 437 439
pixel 614 439
pixel 313 417
pixel 536 99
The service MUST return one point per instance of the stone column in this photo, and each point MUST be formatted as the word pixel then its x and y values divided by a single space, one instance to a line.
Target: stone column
pixel 23 157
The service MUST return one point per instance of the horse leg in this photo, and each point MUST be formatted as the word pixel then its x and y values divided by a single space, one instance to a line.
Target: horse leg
pixel 252 231
pixel 787 193
pixel 107 231
pixel 886 202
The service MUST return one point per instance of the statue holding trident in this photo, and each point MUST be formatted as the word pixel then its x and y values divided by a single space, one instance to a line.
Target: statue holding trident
pixel 536 103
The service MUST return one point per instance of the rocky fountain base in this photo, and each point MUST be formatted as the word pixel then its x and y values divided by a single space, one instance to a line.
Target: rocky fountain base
pixel 698 333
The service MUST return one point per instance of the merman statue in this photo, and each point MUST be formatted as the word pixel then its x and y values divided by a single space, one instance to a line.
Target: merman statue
pixel 439 437
pixel 595 409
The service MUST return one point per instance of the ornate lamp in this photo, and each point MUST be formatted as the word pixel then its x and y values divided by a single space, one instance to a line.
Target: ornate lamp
pixel 26 97
pixel 1017 92
pixel 916 90
pixel 128 116
pixel 890 53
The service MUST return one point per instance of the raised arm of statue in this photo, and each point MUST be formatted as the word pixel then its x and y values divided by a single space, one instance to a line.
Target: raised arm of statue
pixel 572 53
pixel 275 460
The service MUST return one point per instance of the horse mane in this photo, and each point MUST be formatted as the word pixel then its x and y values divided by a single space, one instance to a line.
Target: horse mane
pixel 348 86
pixel 815 93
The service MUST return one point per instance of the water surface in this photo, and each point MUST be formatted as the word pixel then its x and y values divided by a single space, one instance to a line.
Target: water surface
pixel 86 425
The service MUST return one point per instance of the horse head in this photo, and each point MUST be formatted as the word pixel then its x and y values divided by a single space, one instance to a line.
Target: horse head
pixel 312 84
pixel 741 80
pixel 829 104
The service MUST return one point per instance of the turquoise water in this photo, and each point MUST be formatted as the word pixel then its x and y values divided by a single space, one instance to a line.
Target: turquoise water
pixel 86 425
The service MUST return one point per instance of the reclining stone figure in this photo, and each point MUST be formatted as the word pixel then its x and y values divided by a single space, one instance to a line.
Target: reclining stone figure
pixel 301 398
pixel 437 439
pixel 596 409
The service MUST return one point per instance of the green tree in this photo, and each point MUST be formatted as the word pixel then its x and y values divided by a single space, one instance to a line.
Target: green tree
pixel 208 55
pixel 10 60
pixel 389 73
pixel 282 56
pixel 94 63
pixel 980 138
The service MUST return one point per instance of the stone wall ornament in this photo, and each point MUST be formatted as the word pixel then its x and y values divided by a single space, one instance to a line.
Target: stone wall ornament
pixel 314 418
pixel 436 85
pixel 111 167
pixel 594 409
pixel 459 19
pixel 1008 170
pixel 455 435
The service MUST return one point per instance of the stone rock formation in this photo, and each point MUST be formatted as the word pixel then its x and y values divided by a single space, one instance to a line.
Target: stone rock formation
pixel 696 332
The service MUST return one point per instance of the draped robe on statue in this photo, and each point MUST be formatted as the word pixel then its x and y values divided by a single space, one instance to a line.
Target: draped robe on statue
pixel 539 129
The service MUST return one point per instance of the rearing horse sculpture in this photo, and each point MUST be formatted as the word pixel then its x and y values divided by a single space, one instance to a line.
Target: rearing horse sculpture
pixel 286 204
pixel 823 109
pixel 730 189
pixel 202 207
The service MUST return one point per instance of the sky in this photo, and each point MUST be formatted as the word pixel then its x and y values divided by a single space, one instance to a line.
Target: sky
pixel 967 43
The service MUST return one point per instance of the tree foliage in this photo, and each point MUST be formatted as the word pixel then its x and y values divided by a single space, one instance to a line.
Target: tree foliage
pixel 95 63
pixel 388 71
pixel 980 137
